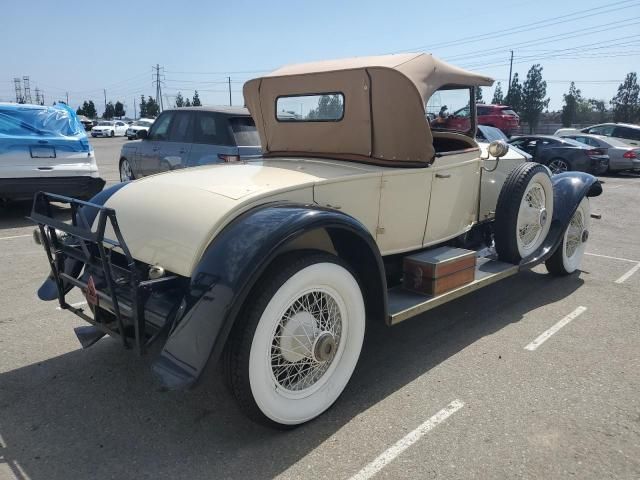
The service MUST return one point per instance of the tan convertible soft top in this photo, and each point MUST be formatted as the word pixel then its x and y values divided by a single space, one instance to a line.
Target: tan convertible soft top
pixel 384 107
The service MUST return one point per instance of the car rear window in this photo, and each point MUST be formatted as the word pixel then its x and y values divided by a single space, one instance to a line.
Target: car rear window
pixel 212 128
pixel 574 143
pixel 244 131
pixel 626 132
pixel 39 121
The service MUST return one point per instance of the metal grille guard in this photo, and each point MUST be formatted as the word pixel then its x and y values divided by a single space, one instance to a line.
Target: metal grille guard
pixel 125 290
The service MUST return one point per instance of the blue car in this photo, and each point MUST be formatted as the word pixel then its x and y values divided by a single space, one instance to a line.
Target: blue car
pixel 188 137
pixel 45 149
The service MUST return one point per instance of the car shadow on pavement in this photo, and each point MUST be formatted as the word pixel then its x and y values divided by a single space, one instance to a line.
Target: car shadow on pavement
pixel 96 413
pixel 14 214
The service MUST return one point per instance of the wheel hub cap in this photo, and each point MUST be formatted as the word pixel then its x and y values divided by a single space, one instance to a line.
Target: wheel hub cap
pixel 542 218
pixel 324 346
pixel 585 236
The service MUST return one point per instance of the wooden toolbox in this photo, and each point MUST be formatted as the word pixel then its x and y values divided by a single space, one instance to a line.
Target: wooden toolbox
pixel 437 271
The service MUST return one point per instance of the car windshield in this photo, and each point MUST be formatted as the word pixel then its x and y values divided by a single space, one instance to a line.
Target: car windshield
pixel 142 123
pixel 244 131
pixel 105 123
pixel 489 134
pixel 508 111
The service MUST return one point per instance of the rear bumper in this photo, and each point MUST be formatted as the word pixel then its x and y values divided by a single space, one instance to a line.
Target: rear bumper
pixel 26 188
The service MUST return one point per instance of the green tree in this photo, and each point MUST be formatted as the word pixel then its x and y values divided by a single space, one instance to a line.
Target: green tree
pixel 514 95
pixel 626 103
pixel 153 109
pixel 80 111
pixel 479 95
pixel 534 92
pixel 109 111
pixel 187 102
pixel 119 110
pixel 329 108
pixel 179 100
pixel 572 102
pixel 498 96
pixel 143 107
pixel 196 100
pixel 599 107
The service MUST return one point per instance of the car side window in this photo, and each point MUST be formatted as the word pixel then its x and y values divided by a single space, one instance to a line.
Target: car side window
pixel 483 111
pixel 211 129
pixel 160 129
pixel 179 130
pixel 602 130
pixel 627 133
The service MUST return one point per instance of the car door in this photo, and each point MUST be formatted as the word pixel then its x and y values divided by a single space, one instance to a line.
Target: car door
pixel 212 139
pixel 630 136
pixel 148 154
pixel 174 153
pixel 453 207
pixel 120 128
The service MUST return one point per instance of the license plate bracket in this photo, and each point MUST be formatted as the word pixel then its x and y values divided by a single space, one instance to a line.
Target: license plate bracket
pixel 41 151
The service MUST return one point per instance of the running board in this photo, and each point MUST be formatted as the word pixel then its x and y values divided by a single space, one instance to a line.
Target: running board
pixel 404 304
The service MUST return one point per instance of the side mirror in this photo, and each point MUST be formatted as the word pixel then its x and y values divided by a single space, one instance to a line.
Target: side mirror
pixel 498 148
pixel 142 134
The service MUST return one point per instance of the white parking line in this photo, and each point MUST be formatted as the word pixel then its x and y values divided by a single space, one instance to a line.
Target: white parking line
pixel 75 305
pixel 16 236
pixel 401 445
pixel 543 337
pixel 611 258
pixel 626 276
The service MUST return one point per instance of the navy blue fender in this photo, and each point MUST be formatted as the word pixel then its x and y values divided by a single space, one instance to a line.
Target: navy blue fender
pixel 568 191
pixel 234 262
pixel 48 290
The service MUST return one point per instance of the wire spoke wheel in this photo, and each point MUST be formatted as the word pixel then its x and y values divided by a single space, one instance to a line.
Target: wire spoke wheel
pixel 302 338
pixel 306 341
pixel 568 257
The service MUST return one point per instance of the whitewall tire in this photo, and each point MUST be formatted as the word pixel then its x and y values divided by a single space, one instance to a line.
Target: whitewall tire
pixel 301 342
pixel 568 256
pixel 524 212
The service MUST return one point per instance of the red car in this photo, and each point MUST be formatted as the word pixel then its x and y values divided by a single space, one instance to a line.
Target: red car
pixel 498 116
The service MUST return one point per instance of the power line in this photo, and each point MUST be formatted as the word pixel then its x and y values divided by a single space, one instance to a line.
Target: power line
pixel 551 21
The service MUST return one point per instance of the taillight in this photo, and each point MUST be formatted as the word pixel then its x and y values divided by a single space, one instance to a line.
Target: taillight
pixel 229 158
pixel 630 154
pixel 595 152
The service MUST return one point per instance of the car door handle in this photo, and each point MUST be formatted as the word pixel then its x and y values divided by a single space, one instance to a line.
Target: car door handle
pixel 443 175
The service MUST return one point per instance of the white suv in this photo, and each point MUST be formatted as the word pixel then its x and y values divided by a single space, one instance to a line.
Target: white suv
pixel 45 148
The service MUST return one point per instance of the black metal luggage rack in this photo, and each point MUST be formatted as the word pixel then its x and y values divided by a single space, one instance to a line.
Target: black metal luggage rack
pixel 124 294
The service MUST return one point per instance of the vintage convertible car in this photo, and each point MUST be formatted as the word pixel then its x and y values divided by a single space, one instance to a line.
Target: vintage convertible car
pixel 277 264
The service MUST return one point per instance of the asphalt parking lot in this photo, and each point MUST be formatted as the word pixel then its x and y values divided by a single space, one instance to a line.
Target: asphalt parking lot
pixel 533 377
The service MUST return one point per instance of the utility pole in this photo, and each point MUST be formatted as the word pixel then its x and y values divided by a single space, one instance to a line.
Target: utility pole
pixel 67 97
pixel 134 108
pixel 510 72
pixel 158 83
pixel 105 99
pixel 230 103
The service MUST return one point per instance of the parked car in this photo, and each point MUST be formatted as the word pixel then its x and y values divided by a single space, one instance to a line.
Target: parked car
pixel 563 154
pixel 188 137
pixel 45 148
pixel 136 127
pixel 278 263
pixel 628 133
pixel 498 116
pixel 87 123
pixel 109 128
pixel 622 157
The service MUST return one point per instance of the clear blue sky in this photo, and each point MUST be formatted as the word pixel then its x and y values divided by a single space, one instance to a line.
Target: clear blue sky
pixel 83 46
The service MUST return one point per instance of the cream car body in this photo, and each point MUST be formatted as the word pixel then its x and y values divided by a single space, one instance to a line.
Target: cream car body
pixel 280 261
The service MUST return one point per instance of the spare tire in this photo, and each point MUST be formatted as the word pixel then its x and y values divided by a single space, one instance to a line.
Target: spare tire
pixel 524 212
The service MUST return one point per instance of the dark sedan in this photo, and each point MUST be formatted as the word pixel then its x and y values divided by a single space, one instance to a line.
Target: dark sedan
pixel 563 154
